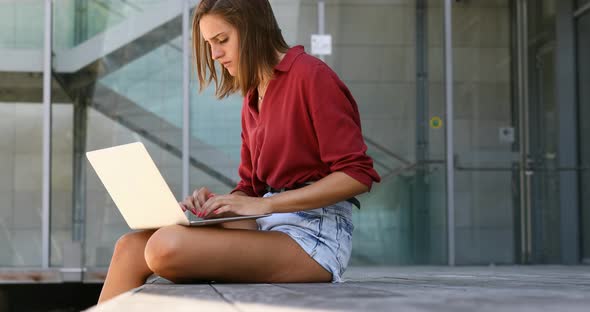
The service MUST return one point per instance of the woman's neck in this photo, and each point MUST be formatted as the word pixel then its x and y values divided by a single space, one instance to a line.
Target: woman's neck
pixel 266 79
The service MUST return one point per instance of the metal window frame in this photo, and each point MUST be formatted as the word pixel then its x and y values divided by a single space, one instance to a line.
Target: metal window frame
pixel 46 188
pixel 185 100
pixel 522 86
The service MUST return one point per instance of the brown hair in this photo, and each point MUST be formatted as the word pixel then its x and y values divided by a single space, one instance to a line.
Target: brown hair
pixel 259 40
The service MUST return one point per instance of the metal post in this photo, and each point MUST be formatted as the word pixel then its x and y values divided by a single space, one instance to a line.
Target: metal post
pixel 524 215
pixel 79 167
pixel 421 211
pixel 46 192
pixel 186 100
pixel 73 254
pixel 449 134
pixel 322 21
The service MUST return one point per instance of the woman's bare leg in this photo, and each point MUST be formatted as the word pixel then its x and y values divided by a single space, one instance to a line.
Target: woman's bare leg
pixel 128 268
pixel 182 254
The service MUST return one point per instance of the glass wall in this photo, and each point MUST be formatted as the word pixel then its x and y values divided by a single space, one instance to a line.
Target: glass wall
pixel 21 139
pixel 118 79
pixel 583 33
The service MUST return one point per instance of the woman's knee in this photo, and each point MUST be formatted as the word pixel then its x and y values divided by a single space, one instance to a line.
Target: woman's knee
pixel 131 246
pixel 162 250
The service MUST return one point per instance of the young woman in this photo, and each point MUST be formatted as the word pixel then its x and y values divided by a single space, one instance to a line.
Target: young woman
pixel 303 159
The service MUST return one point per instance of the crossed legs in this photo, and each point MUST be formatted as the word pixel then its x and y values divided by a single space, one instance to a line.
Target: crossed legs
pixel 183 254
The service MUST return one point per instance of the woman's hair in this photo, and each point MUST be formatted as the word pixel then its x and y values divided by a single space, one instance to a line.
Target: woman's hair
pixel 259 40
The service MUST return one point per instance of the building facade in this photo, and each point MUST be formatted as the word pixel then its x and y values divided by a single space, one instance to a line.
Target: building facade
pixel 473 111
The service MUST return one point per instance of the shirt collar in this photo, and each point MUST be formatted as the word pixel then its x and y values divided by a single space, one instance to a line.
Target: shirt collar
pixel 289 58
pixel 284 65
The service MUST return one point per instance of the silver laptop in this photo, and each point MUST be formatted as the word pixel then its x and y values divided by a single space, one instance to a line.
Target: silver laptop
pixel 138 189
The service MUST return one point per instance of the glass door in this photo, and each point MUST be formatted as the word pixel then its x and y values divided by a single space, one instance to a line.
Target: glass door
pixel 551 171
pixel 542 169
pixel 485 133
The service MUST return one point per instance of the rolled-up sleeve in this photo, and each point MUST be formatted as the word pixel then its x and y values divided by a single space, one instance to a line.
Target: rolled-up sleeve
pixel 336 121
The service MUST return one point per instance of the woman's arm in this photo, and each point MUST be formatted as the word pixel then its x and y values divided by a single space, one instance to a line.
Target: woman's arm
pixel 335 187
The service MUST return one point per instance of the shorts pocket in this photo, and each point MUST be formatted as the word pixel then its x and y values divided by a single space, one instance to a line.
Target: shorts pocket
pixel 344 240
pixel 310 219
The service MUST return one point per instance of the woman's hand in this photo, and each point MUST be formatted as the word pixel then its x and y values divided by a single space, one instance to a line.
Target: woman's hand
pixel 195 201
pixel 234 205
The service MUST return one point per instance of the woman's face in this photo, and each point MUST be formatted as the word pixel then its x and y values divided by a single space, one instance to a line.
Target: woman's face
pixel 223 40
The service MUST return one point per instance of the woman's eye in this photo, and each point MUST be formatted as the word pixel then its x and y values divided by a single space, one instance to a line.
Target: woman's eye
pixel 223 41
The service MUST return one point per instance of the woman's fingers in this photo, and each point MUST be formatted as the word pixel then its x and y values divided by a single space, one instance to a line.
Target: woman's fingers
pixel 196 202
pixel 204 195
pixel 222 209
pixel 215 215
pixel 201 196
pixel 184 208
pixel 189 204
pixel 215 203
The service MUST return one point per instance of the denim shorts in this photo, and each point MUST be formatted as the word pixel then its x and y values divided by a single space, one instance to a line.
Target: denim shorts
pixel 324 233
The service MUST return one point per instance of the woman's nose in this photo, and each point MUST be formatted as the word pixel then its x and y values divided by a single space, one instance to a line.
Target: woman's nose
pixel 216 53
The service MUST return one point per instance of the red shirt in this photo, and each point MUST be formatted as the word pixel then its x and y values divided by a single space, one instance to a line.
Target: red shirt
pixel 308 127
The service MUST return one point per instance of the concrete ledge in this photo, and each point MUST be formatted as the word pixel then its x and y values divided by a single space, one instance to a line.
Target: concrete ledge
pixel 35 275
pixel 504 288
pixel 29 276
